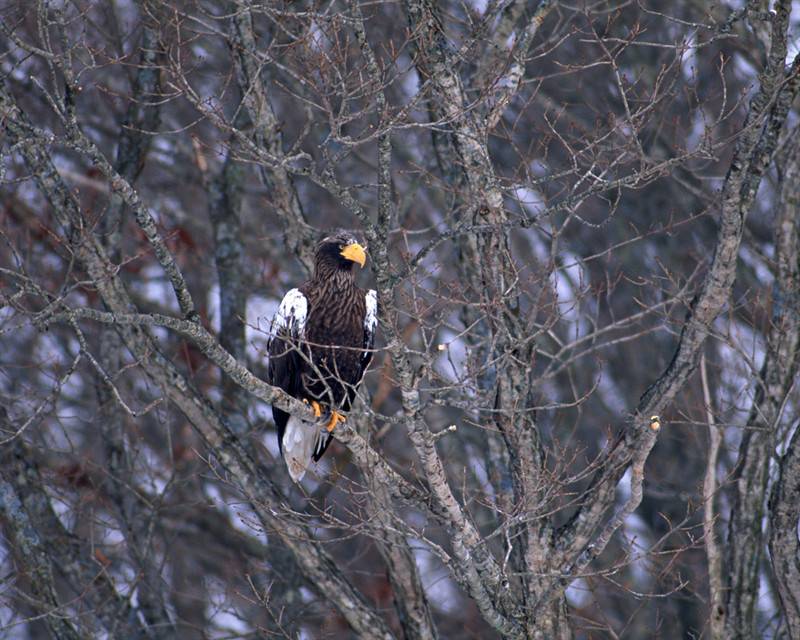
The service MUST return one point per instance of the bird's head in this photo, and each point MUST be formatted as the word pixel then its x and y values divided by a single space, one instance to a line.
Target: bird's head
pixel 340 251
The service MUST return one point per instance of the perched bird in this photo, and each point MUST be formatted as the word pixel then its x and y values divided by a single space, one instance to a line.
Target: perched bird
pixel 320 345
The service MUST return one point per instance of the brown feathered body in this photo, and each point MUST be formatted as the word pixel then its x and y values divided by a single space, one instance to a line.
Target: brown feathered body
pixel 334 338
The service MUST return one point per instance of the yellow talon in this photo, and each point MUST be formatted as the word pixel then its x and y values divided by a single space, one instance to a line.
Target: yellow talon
pixel 336 418
pixel 316 407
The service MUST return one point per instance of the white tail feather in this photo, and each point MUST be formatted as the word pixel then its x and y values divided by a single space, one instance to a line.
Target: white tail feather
pixel 298 443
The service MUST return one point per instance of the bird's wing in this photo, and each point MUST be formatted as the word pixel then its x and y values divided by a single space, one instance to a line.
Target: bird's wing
pixel 370 328
pixel 286 331
pixel 285 371
pixel 291 315
pixel 322 439
pixel 300 441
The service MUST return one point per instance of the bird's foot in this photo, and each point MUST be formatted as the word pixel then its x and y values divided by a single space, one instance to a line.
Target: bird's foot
pixel 336 418
pixel 316 407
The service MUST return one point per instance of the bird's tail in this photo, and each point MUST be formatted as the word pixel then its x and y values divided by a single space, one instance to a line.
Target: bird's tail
pixel 301 441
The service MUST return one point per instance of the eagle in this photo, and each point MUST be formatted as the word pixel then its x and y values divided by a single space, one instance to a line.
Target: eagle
pixel 320 345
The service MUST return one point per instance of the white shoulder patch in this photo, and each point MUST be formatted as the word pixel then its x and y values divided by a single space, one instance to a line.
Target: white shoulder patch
pixel 292 314
pixel 371 317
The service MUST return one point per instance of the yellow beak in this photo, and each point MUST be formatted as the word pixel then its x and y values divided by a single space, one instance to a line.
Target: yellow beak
pixel 356 253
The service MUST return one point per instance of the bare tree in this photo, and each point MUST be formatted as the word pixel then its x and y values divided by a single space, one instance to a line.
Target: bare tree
pixel 582 224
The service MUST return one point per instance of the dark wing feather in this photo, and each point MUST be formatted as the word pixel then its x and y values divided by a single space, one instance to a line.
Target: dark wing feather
pixel 321 445
pixel 285 361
